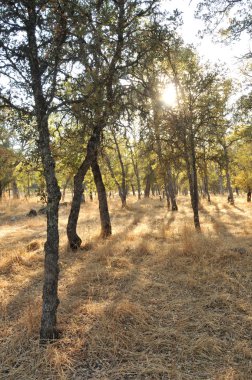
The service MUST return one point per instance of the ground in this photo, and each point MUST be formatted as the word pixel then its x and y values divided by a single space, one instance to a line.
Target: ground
pixel 155 301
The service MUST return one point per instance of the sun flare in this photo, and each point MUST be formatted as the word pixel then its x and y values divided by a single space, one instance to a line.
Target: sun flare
pixel 169 95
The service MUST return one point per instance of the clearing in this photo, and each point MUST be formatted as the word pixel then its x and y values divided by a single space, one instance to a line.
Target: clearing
pixel 155 301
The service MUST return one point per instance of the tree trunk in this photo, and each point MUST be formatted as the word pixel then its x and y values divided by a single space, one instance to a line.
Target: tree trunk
pixel 133 190
pixel 229 187
pixel 220 180
pixel 15 192
pixel 206 187
pixel 48 329
pixel 147 186
pixel 73 238
pixel 138 185
pixel 205 179
pixel 28 185
pixel 168 201
pixel 149 179
pixel 64 188
pixel 123 197
pixel 1 190
pixel 193 183
pixel 171 189
pixel 123 191
pixel 102 197
pixel 249 196
pixel 136 171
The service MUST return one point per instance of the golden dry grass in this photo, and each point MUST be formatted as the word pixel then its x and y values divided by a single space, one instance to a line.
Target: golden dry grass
pixel 155 301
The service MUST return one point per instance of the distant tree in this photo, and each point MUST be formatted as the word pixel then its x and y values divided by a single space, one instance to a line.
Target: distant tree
pixel 8 162
pixel 242 166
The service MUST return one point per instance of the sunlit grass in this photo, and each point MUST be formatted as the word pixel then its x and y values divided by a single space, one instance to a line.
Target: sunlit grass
pixel 155 301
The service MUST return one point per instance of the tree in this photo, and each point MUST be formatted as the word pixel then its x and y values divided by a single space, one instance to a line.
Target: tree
pixel 32 40
pixel 232 17
pixel 111 50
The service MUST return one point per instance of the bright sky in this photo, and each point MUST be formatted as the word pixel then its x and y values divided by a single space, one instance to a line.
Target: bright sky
pixel 207 49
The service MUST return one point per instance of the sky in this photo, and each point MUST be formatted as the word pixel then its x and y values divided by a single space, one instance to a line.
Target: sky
pixel 207 49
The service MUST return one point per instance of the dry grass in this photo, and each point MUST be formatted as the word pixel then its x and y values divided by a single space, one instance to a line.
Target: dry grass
pixel 155 301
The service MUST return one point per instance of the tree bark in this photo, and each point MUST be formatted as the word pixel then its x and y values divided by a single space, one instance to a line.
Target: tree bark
pixel 122 190
pixel 133 190
pixel 220 177
pixel 229 186
pixel 147 186
pixel 138 185
pixel 15 192
pixel 48 330
pixel 136 171
pixel 193 182
pixel 206 187
pixel 65 187
pixel 102 197
pixel 171 189
pixel 73 238
pixel 122 187
pixel 123 197
pixel 167 195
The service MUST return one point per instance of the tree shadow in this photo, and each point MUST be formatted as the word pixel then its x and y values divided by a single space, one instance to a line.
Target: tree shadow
pixel 219 227
pixel 103 289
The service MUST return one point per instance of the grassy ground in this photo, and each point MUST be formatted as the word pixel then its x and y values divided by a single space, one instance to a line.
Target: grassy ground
pixel 155 301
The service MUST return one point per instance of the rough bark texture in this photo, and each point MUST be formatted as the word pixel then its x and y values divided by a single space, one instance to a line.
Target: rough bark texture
pixel 48 330
pixel 73 238
pixel 102 197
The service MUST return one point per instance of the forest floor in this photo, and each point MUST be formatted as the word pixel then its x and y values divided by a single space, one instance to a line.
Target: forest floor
pixel 155 301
